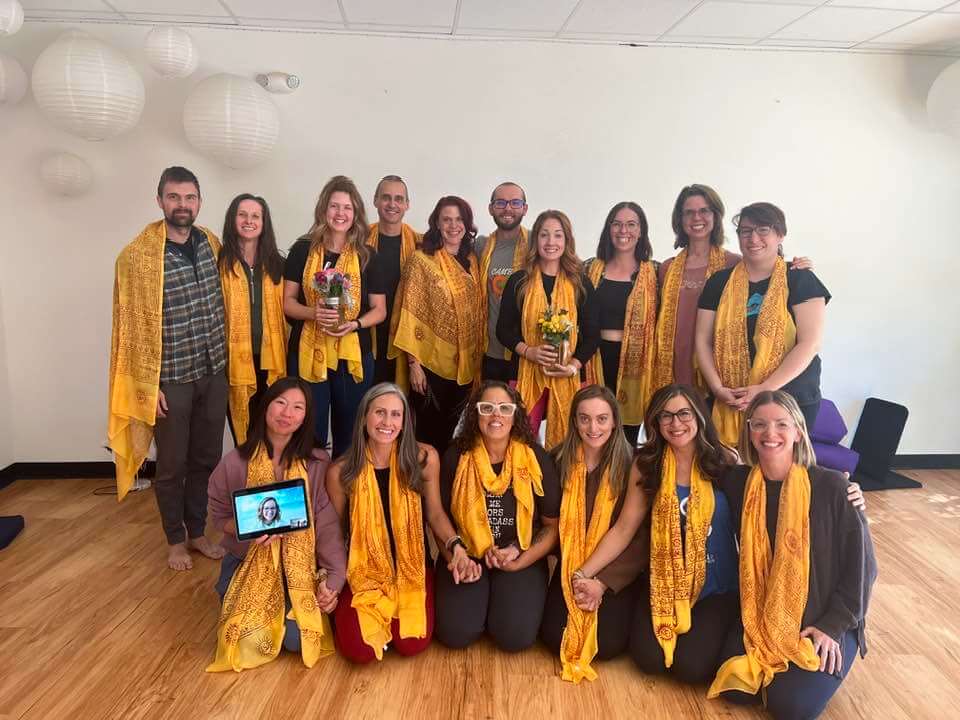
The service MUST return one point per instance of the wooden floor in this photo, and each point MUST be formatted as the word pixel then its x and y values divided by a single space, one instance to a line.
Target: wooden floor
pixel 92 625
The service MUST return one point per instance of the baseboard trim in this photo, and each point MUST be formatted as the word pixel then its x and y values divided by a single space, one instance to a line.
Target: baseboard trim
pixel 71 470
pixel 926 462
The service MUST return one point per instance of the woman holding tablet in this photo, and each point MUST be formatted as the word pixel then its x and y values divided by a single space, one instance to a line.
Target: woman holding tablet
pixel 260 581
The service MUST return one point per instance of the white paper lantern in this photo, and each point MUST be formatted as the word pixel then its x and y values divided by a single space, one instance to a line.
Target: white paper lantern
pixel 943 101
pixel 171 52
pixel 87 88
pixel 11 16
pixel 13 81
pixel 231 119
pixel 66 174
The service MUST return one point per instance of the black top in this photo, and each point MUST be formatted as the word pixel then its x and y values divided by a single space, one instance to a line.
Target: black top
pixel 371 283
pixel 388 250
pixel 612 297
pixel 187 250
pixel 255 286
pixel 509 324
pixel 802 285
pixel 502 509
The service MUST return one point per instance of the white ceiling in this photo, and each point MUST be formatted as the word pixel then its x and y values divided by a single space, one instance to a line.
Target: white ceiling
pixel 911 26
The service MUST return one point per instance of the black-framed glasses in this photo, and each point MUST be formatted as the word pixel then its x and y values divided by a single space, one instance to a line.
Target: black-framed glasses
pixel 745 231
pixel 666 417
pixel 504 409
pixel 516 203
pixel 758 426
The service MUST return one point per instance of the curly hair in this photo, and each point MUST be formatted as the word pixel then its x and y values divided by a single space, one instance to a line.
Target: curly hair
pixel 469 433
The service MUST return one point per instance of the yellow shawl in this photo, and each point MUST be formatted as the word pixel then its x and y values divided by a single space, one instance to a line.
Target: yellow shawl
pixel 135 349
pixel 381 589
pixel 320 352
pixel 667 321
pixel 241 374
pixel 519 256
pixel 531 380
pixel 773 586
pixel 436 316
pixel 577 543
pixel 475 476
pixel 636 349
pixel 774 337
pixel 677 569
pixel 251 626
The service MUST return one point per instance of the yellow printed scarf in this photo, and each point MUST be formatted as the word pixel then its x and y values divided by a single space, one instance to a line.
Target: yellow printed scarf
pixel 241 374
pixel 320 352
pixel 577 542
pixel 774 337
pixel 251 626
pixel 531 380
pixel 436 315
pixel 519 256
pixel 381 589
pixel 773 586
pixel 636 349
pixel 677 569
pixel 667 322
pixel 475 476
pixel 135 349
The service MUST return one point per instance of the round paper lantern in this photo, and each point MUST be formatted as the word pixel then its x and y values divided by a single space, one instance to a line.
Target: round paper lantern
pixel 943 101
pixel 171 52
pixel 13 81
pixel 86 87
pixel 11 17
pixel 66 174
pixel 231 119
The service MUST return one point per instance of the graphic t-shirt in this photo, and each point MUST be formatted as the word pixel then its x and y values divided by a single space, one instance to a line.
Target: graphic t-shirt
pixel 501 268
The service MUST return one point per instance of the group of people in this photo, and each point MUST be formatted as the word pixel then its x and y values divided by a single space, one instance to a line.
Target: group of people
pixel 433 381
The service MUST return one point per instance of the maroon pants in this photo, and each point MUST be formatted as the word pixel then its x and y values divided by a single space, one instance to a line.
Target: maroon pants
pixel 350 642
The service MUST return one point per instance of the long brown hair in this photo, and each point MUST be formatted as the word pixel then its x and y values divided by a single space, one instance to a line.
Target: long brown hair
pixel 268 257
pixel 643 251
pixel 710 455
pixel 358 232
pixel 570 265
pixel 300 446
pixel 408 452
pixel 712 199
pixel 616 453
pixel 469 433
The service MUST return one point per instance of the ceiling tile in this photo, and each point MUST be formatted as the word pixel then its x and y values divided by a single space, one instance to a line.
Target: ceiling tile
pixel 74 5
pixel 322 10
pixel 171 7
pixel 853 24
pixel 708 39
pixel 783 42
pixel 918 5
pixel 403 13
pixel 640 17
pixel 611 37
pixel 522 33
pixel 737 19
pixel 938 29
pixel 180 18
pixel 286 23
pixel 518 15
pixel 390 28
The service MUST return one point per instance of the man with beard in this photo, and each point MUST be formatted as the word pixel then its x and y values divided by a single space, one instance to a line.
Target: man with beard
pixel 395 242
pixel 167 360
pixel 501 254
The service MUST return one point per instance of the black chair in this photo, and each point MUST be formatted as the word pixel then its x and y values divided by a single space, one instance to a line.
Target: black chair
pixel 877 438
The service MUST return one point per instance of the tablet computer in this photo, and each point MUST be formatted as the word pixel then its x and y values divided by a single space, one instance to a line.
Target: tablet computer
pixel 270 509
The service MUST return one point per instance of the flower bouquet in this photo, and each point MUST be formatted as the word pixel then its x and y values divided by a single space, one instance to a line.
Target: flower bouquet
pixel 333 287
pixel 555 327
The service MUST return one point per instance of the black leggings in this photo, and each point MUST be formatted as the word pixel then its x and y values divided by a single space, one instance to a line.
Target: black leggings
pixel 696 656
pixel 610 361
pixel 613 619
pixel 507 605
pixel 438 412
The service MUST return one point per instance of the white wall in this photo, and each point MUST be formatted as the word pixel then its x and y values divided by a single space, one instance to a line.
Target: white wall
pixel 839 141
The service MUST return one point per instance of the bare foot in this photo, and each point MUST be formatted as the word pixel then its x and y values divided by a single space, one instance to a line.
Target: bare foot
pixel 178 558
pixel 206 548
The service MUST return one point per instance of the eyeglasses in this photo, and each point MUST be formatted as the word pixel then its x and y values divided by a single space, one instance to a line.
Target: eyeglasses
pixel 666 417
pixel 631 225
pixel 701 212
pixel 745 231
pixel 502 409
pixel 759 426
pixel 516 204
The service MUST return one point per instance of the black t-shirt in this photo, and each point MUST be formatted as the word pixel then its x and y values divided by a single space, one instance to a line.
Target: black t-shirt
pixel 388 250
pixel 802 285
pixel 371 283
pixel 510 322
pixel 773 489
pixel 502 509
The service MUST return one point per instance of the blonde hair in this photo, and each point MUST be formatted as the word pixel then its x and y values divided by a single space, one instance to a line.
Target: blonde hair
pixel 803 453
pixel 358 232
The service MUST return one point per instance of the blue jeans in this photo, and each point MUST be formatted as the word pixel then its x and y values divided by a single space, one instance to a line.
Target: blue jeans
pixel 336 401
pixel 228 568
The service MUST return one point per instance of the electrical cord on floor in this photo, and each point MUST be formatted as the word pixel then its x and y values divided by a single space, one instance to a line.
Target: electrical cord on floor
pixel 106 490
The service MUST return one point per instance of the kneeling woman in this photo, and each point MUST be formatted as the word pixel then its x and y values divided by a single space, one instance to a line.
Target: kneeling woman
pixel 376 489
pixel 806 569
pixel 593 462
pixel 502 491
pixel 258 578
pixel 681 624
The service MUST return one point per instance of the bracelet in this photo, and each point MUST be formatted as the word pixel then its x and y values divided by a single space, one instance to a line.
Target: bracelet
pixel 359 326
pixel 578 574
pixel 448 545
